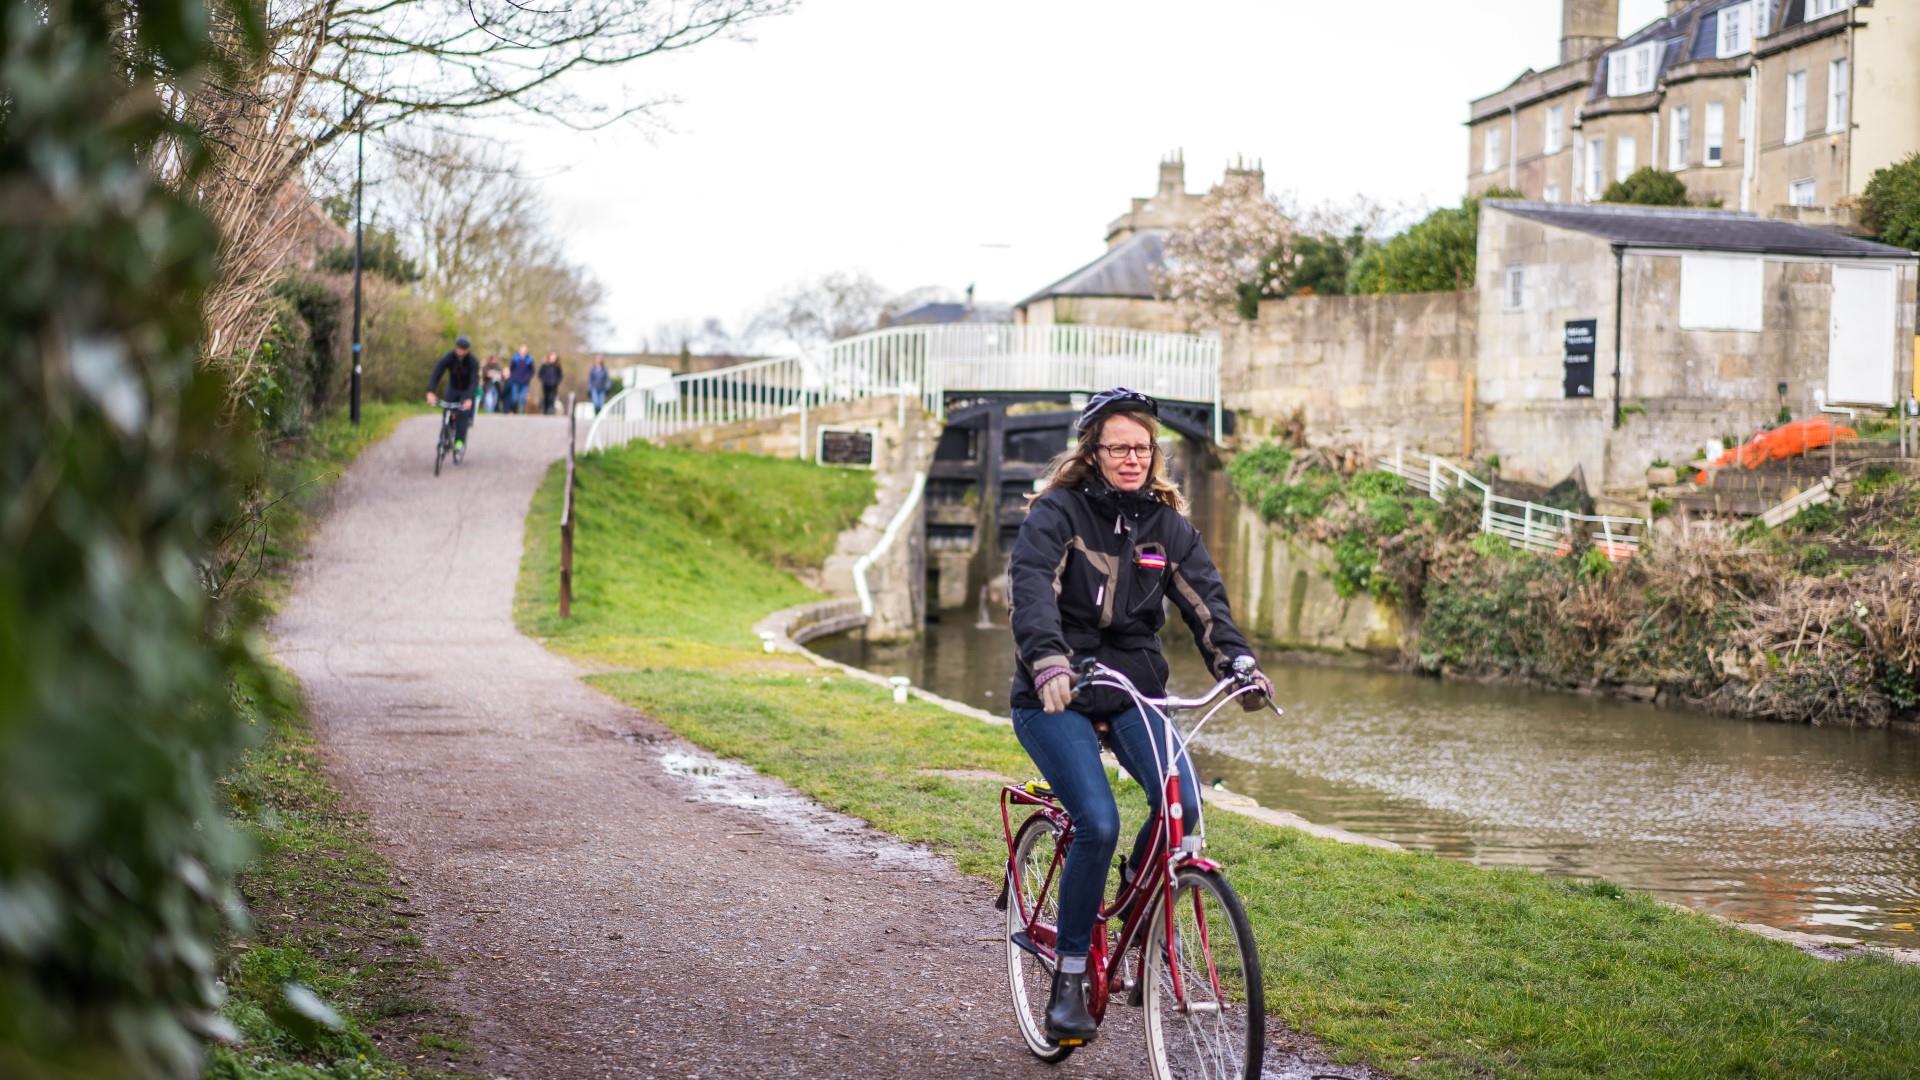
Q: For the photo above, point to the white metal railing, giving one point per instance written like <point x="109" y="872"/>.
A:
<point x="1523" y="524"/>
<point x="923" y="362"/>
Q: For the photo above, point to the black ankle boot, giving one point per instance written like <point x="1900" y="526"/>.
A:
<point x="1067" y="1018"/>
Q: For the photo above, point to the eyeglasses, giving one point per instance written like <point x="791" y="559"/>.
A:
<point x="1116" y="452"/>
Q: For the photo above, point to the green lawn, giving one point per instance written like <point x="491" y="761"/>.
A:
<point x="328" y="911"/>
<point x="1416" y="965"/>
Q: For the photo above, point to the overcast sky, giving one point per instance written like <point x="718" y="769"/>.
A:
<point x="992" y="142"/>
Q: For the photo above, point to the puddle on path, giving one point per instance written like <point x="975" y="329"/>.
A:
<point x="729" y="783"/>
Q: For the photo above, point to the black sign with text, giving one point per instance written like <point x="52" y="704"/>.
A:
<point x="1577" y="379"/>
<point x="840" y="446"/>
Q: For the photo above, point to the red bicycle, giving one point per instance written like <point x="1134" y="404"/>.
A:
<point x="1184" y="950"/>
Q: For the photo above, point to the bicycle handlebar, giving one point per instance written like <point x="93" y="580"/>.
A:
<point x="1091" y="669"/>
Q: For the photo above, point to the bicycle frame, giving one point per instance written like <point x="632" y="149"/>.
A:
<point x="1170" y="853"/>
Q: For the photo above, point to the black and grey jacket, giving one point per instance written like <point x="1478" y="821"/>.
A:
<point x="1090" y="571"/>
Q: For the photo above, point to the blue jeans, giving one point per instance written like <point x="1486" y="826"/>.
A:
<point x="599" y="400"/>
<point x="518" y="401"/>
<point x="1067" y="750"/>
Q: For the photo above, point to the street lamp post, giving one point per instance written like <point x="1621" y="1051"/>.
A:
<point x="359" y="185"/>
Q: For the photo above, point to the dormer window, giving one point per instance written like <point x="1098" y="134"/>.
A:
<point x="1736" y="29"/>
<point x="1820" y="8"/>
<point x="1630" y="70"/>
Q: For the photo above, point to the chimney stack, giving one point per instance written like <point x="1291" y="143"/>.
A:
<point x="1173" y="174"/>
<point x="1586" y="25"/>
<point x="1674" y="6"/>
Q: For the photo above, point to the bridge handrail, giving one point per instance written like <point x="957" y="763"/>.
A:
<point x="924" y="362"/>
<point x="1529" y="525"/>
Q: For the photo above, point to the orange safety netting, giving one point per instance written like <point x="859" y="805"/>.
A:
<point x="1785" y="441"/>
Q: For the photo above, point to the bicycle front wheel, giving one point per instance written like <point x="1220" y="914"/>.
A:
<point x="440" y="451"/>
<point x="1206" y="1014"/>
<point x="1033" y="904"/>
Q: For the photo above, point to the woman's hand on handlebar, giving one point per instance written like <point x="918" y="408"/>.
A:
<point x="1247" y="671"/>
<point x="1055" y="687"/>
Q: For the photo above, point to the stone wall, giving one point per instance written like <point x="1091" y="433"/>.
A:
<point x="1290" y="599"/>
<point x="1375" y="371"/>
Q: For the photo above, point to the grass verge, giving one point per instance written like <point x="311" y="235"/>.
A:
<point x="328" y="911"/>
<point x="1415" y="965"/>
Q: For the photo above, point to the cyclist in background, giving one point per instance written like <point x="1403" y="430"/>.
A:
<point x="463" y="380"/>
<point x="1104" y="545"/>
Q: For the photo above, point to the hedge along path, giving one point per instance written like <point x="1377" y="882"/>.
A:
<point x="1413" y="964"/>
<point x="600" y="915"/>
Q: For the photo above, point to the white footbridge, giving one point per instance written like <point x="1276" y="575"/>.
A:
<point x="923" y="367"/>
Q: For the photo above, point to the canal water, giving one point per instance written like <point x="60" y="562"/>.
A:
<point x="1803" y="828"/>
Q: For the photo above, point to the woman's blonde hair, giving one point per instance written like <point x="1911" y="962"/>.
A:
<point x="1074" y="464"/>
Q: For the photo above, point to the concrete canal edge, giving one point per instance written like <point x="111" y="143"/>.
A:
<point x="789" y="630"/>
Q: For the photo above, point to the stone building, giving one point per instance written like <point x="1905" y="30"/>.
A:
<point x="1120" y="287"/>
<point x="1610" y="336"/>
<point x="1780" y="106"/>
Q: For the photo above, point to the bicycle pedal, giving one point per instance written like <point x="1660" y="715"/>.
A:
<point x="1070" y="1042"/>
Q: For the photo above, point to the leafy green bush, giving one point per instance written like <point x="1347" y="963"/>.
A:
<point x="1890" y="205"/>
<point x="116" y="706"/>
<point x="1436" y="255"/>
<point x="1648" y="186"/>
<point x="1822" y="517"/>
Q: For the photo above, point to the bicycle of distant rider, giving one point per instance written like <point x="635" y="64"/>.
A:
<point x="449" y="410"/>
<point x="1183" y="951"/>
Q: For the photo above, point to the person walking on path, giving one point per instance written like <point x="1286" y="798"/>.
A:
<point x="490" y="378"/>
<point x="1104" y="545"/>
<point x="462" y="373"/>
<point x="599" y="379"/>
<point x="519" y="378"/>
<point x="550" y="376"/>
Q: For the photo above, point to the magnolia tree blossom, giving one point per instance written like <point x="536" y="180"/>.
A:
<point x="1233" y="253"/>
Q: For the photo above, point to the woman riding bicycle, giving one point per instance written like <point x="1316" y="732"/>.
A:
<point x="1105" y="544"/>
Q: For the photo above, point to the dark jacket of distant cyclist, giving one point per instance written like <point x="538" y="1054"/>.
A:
<point x="1111" y="559"/>
<point x="462" y="375"/>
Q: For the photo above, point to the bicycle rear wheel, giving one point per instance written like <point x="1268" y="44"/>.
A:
<point x="1033" y="887"/>
<point x="1216" y="1026"/>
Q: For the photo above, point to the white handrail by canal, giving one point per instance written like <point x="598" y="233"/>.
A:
<point x="1528" y="525"/>
<point x="924" y="363"/>
<point x="900" y="519"/>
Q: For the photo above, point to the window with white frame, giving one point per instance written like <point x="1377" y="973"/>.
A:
<point x="1596" y="167"/>
<point x="1837" y="96"/>
<point x="1552" y="193"/>
<point x="1515" y="294"/>
<point x="1796" y="106"/>
<point x="1821" y="8"/>
<point x="1736" y="29"/>
<point x="1721" y="292"/>
<point x="1625" y="157"/>
<point x="1679" y="135"/>
<point x="1490" y="150"/>
<point x="1762" y="18"/>
<point x="1800" y="192"/>
<point x="1630" y="70"/>
<point x="1556" y="130"/>
<point x="1715" y="146"/>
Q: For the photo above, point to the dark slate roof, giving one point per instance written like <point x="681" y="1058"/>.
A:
<point x="1126" y="270"/>
<point x="1704" y="230"/>
<point x="940" y="312"/>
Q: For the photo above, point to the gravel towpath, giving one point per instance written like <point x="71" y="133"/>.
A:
<point x="609" y="900"/>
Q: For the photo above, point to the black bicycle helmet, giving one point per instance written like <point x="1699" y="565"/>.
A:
<point x="1117" y="400"/>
